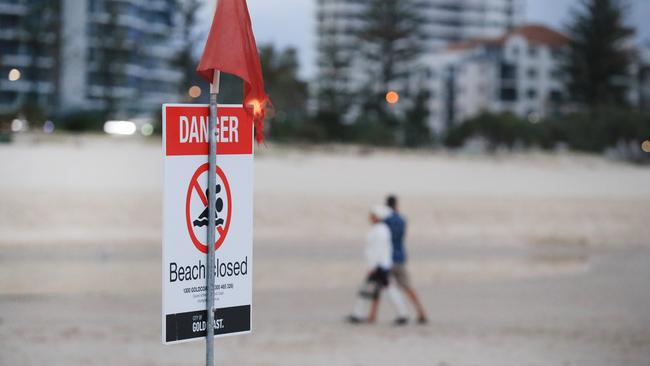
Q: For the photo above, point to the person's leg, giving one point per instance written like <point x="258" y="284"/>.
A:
<point x="362" y="306"/>
<point x="361" y="309"/>
<point x="374" y="307"/>
<point x="379" y="280"/>
<point x="403" y="281"/>
<point x="422" y="317"/>
<point x="398" y="302"/>
<point x="367" y="304"/>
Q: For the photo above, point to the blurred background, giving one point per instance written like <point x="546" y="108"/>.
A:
<point x="515" y="132"/>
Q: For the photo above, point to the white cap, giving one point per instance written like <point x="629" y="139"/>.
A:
<point x="380" y="211"/>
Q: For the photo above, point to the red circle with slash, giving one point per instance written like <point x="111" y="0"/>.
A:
<point x="195" y="187"/>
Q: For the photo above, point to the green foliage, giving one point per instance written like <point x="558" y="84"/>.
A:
<point x="5" y="127"/>
<point x="311" y="132"/>
<point x="598" y="63"/>
<point x="288" y="92"/>
<point x="603" y="127"/>
<point x="415" y="127"/>
<point x="156" y="117"/>
<point x="80" y="121"/>
<point x="505" y="129"/>
<point x="286" y="130"/>
<point x="332" y="93"/>
<point x="592" y="131"/>
<point x="331" y="124"/>
<point x="231" y="89"/>
<point x="370" y="132"/>
<point x="289" y="95"/>
<point x="33" y="112"/>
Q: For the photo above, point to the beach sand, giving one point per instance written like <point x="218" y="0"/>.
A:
<point x="520" y="259"/>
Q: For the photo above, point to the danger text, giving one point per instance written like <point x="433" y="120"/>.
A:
<point x="194" y="129"/>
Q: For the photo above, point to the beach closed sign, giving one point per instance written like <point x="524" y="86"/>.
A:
<point x="185" y="222"/>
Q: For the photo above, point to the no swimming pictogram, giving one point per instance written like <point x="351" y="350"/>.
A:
<point x="196" y="208"/>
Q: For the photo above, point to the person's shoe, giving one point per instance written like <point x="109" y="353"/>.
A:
<point x="401" y="321"/>
<point x="352" y="319"/>
<point x="422" y="320"/>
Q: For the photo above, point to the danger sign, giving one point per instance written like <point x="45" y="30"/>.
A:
<point x="185" y="222"/>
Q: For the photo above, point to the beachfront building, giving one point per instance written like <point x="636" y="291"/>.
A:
<point x="519" y="72"/>
<point x="114" y="55"/>
<point x="445" y="21"/>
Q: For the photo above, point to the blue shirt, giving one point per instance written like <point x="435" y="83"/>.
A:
<point x="397" y="226"/>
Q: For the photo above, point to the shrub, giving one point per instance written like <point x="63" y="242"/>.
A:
<point x="603" y="128"/>
<point x="503" y="129"/>
<point x="80" y="121"/>
<point x="592" y="131"/>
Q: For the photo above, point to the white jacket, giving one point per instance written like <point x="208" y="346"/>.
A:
<point x="378" y="247"/>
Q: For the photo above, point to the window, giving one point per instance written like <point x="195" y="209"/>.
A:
<point x="532" y="93"/>
<point x="508" y="71"/>
<point x="9" y="48"/>
<point x="557" y="74"/>
<point x="7" y="97"/>
<point x="515" y="50"/>
<point x="532" y="51"/>
<point x="509" y="94"/>
<point x="532" y="73"/>
<point x="556" y="96"/>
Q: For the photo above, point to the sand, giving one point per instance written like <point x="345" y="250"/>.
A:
<point x="524" y="259"/>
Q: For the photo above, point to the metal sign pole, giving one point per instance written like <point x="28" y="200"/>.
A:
<point x="212" y="183"/>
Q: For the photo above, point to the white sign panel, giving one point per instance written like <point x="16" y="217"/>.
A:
<point x="185" y="222"/>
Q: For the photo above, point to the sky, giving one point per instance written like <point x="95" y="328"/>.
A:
<point x="291" y="23"/>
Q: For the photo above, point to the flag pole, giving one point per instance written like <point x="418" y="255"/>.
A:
<point x="212" y="183"/>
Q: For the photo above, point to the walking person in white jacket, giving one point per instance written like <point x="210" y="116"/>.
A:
<point x="378" y="255"/>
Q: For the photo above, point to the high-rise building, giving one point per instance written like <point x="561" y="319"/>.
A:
<point x="115" y="55"/>
<point x="444" y="22"/>
<point x="27" y="60"/>
<point x="457" y="20"/>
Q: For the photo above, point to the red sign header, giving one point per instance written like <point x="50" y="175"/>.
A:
<point x="186" y="130"/>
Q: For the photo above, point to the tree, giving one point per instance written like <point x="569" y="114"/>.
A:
<point x="416" y="129"/>
<point x="332" y="94"/>
<point x="283" y="84"/>
<point x="390" y="44"/>
<point x="280" y="70"/>
<point x="334" y="59"/>
<point x="598" y="62"/>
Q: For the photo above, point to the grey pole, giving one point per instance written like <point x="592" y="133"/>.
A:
<point x="212" y="183"/>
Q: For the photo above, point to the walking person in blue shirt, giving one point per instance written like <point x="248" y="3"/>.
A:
<point x="397" y="226"/>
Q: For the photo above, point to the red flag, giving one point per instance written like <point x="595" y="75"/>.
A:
<point x="231" y="48"/>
